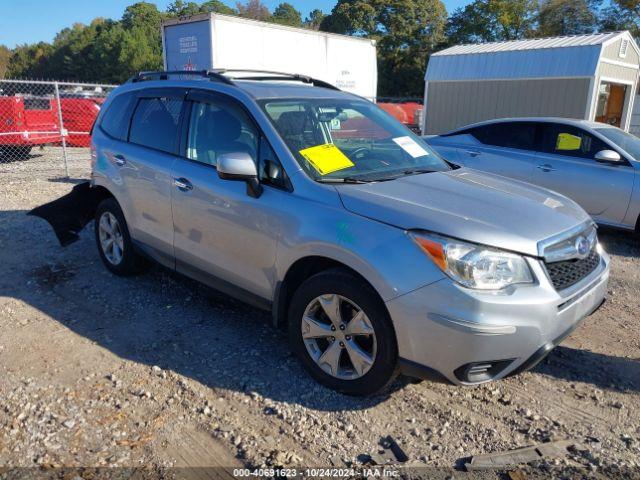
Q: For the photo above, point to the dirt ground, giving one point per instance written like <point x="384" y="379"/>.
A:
<point x="157" y="372"/>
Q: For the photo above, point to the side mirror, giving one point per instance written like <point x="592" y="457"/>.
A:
<point x="240" y="166"/>
<point x="608" y="156"/>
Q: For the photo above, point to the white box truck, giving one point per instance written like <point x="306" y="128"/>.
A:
<point x="208" y="41"/>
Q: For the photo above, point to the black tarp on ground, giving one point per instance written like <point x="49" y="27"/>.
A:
<point x="68" y="215"/>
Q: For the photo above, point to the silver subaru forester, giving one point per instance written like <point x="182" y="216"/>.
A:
<point x="377" y="255"/>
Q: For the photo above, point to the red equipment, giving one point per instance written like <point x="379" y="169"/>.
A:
<point x="26" y="121"/>
<point x="78" y="116"/>
<point x="407" y="112"/>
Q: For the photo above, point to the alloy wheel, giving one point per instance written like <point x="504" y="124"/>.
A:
<point x="339" y="336"/>
<point x="111" y="239"/>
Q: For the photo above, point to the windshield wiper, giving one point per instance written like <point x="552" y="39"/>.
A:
<point x="342" y="180"/>
<point x="418" y="171"/>
<point x="415" y="171"/>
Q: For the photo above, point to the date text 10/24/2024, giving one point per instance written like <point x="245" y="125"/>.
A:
<point x="369" y="472"/>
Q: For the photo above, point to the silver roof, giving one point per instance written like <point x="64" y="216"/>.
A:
<point x="259" y="90"/>
<point x="554" y="57"/>
<point x="275" y="89"/>
<point x="531" y="44"/>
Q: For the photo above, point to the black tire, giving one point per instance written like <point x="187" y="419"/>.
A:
<point x="130" y="263"/>
<point x="340" y="282"/>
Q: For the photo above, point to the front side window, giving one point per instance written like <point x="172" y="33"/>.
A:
<point x="219" y="127"/>
<point x="521" y="135"/>
<point x="571" y="141"/>
<point x="155" y="123"/>
<point x="343" y="139"/>
<point x="627" y="142"/>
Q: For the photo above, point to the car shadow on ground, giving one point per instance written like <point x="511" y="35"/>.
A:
<point x="603" y="371"/>
<point x="159" y="318"/>
<point x="620" y="242"/>
<point x="164" y="319"/>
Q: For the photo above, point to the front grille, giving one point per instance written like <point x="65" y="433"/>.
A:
<point x="569" y="272"/>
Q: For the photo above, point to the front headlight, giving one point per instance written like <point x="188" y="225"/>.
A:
<point x="474" y="266"/>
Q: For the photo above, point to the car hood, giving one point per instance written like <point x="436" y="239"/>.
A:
<point x="469" y="205"/>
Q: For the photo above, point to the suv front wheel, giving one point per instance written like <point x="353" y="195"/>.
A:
<point x="341" y="332"/>
<point x="113" y="240"/>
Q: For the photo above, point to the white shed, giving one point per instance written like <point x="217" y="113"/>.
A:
<point x="593" y="77"/>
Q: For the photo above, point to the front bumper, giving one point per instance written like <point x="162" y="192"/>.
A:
<point x="446" y="330"/>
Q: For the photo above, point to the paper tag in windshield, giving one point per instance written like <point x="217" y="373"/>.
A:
<point x="410" y="146"/>
<point x="326" y="158"/>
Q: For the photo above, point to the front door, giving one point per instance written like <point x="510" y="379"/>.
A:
<point x="611" y="103"/>
<point x="222" y="236"/>
<point x="568" y="167"/>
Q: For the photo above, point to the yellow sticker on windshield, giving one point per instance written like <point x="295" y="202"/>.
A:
<point x="326" y="158"/>
<point x="566" y="141"/>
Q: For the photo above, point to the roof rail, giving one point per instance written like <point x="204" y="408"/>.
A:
<point x="266" y="75"/>
<point x="164" y="75"/>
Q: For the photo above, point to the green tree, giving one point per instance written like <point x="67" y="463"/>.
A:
<point x="141" y="14"/>
<point x="314" y="20"/>
<point x="492" y="20"/>
<point x="254" y="9"/>
<point x="621" y="15"/>
<point x="567" y="17"/>
<point x="406" y="31"/>
<point x="30" y="61"/>
<point x="5" y="55"/>
<point x="183" y="9"/>
<point x="286" y="14"/>
<point x="217" y="6"/>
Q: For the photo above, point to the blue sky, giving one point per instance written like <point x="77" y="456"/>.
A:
<point x="29" y="21"/>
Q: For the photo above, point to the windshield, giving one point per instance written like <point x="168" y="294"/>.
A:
<point x="629" y="143"/>
<point x="349" y="140"/>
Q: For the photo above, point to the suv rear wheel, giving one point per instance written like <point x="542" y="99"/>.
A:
<point x="113" y="240"/>
<point x="342" y="334"/>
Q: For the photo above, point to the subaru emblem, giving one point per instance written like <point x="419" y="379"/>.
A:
<point x="582" y="247"/>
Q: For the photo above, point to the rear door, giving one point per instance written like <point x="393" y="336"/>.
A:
<point x="143" y="169"/>
<point x="507" y="149"/>
<point x="568" y="166"/>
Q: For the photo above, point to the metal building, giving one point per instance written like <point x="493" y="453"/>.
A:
<point x="593" y="77"/>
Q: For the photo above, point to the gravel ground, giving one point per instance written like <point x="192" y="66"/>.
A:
<point x="159" y="371"/>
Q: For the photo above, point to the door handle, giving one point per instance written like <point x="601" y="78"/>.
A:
<point x="473" y="153"/>
<point x="546" y="168"/>
<point x="182" y="184"/>
<point x="120" y="160"/>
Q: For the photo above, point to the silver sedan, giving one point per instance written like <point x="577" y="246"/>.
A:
<point x="595" y="164"/>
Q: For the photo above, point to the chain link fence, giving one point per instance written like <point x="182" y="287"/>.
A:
<point x="45" y="127"/>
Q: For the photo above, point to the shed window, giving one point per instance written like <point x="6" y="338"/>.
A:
<point x="624" y="45"/>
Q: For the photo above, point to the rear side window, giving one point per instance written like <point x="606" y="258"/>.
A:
<point x="115" y="121"/>
<point x="155" y="123"/>
<point x="520" y="135"/>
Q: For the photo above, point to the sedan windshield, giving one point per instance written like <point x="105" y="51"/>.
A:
<point x="338" y="140"/>
<point x="627" y="142"/>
